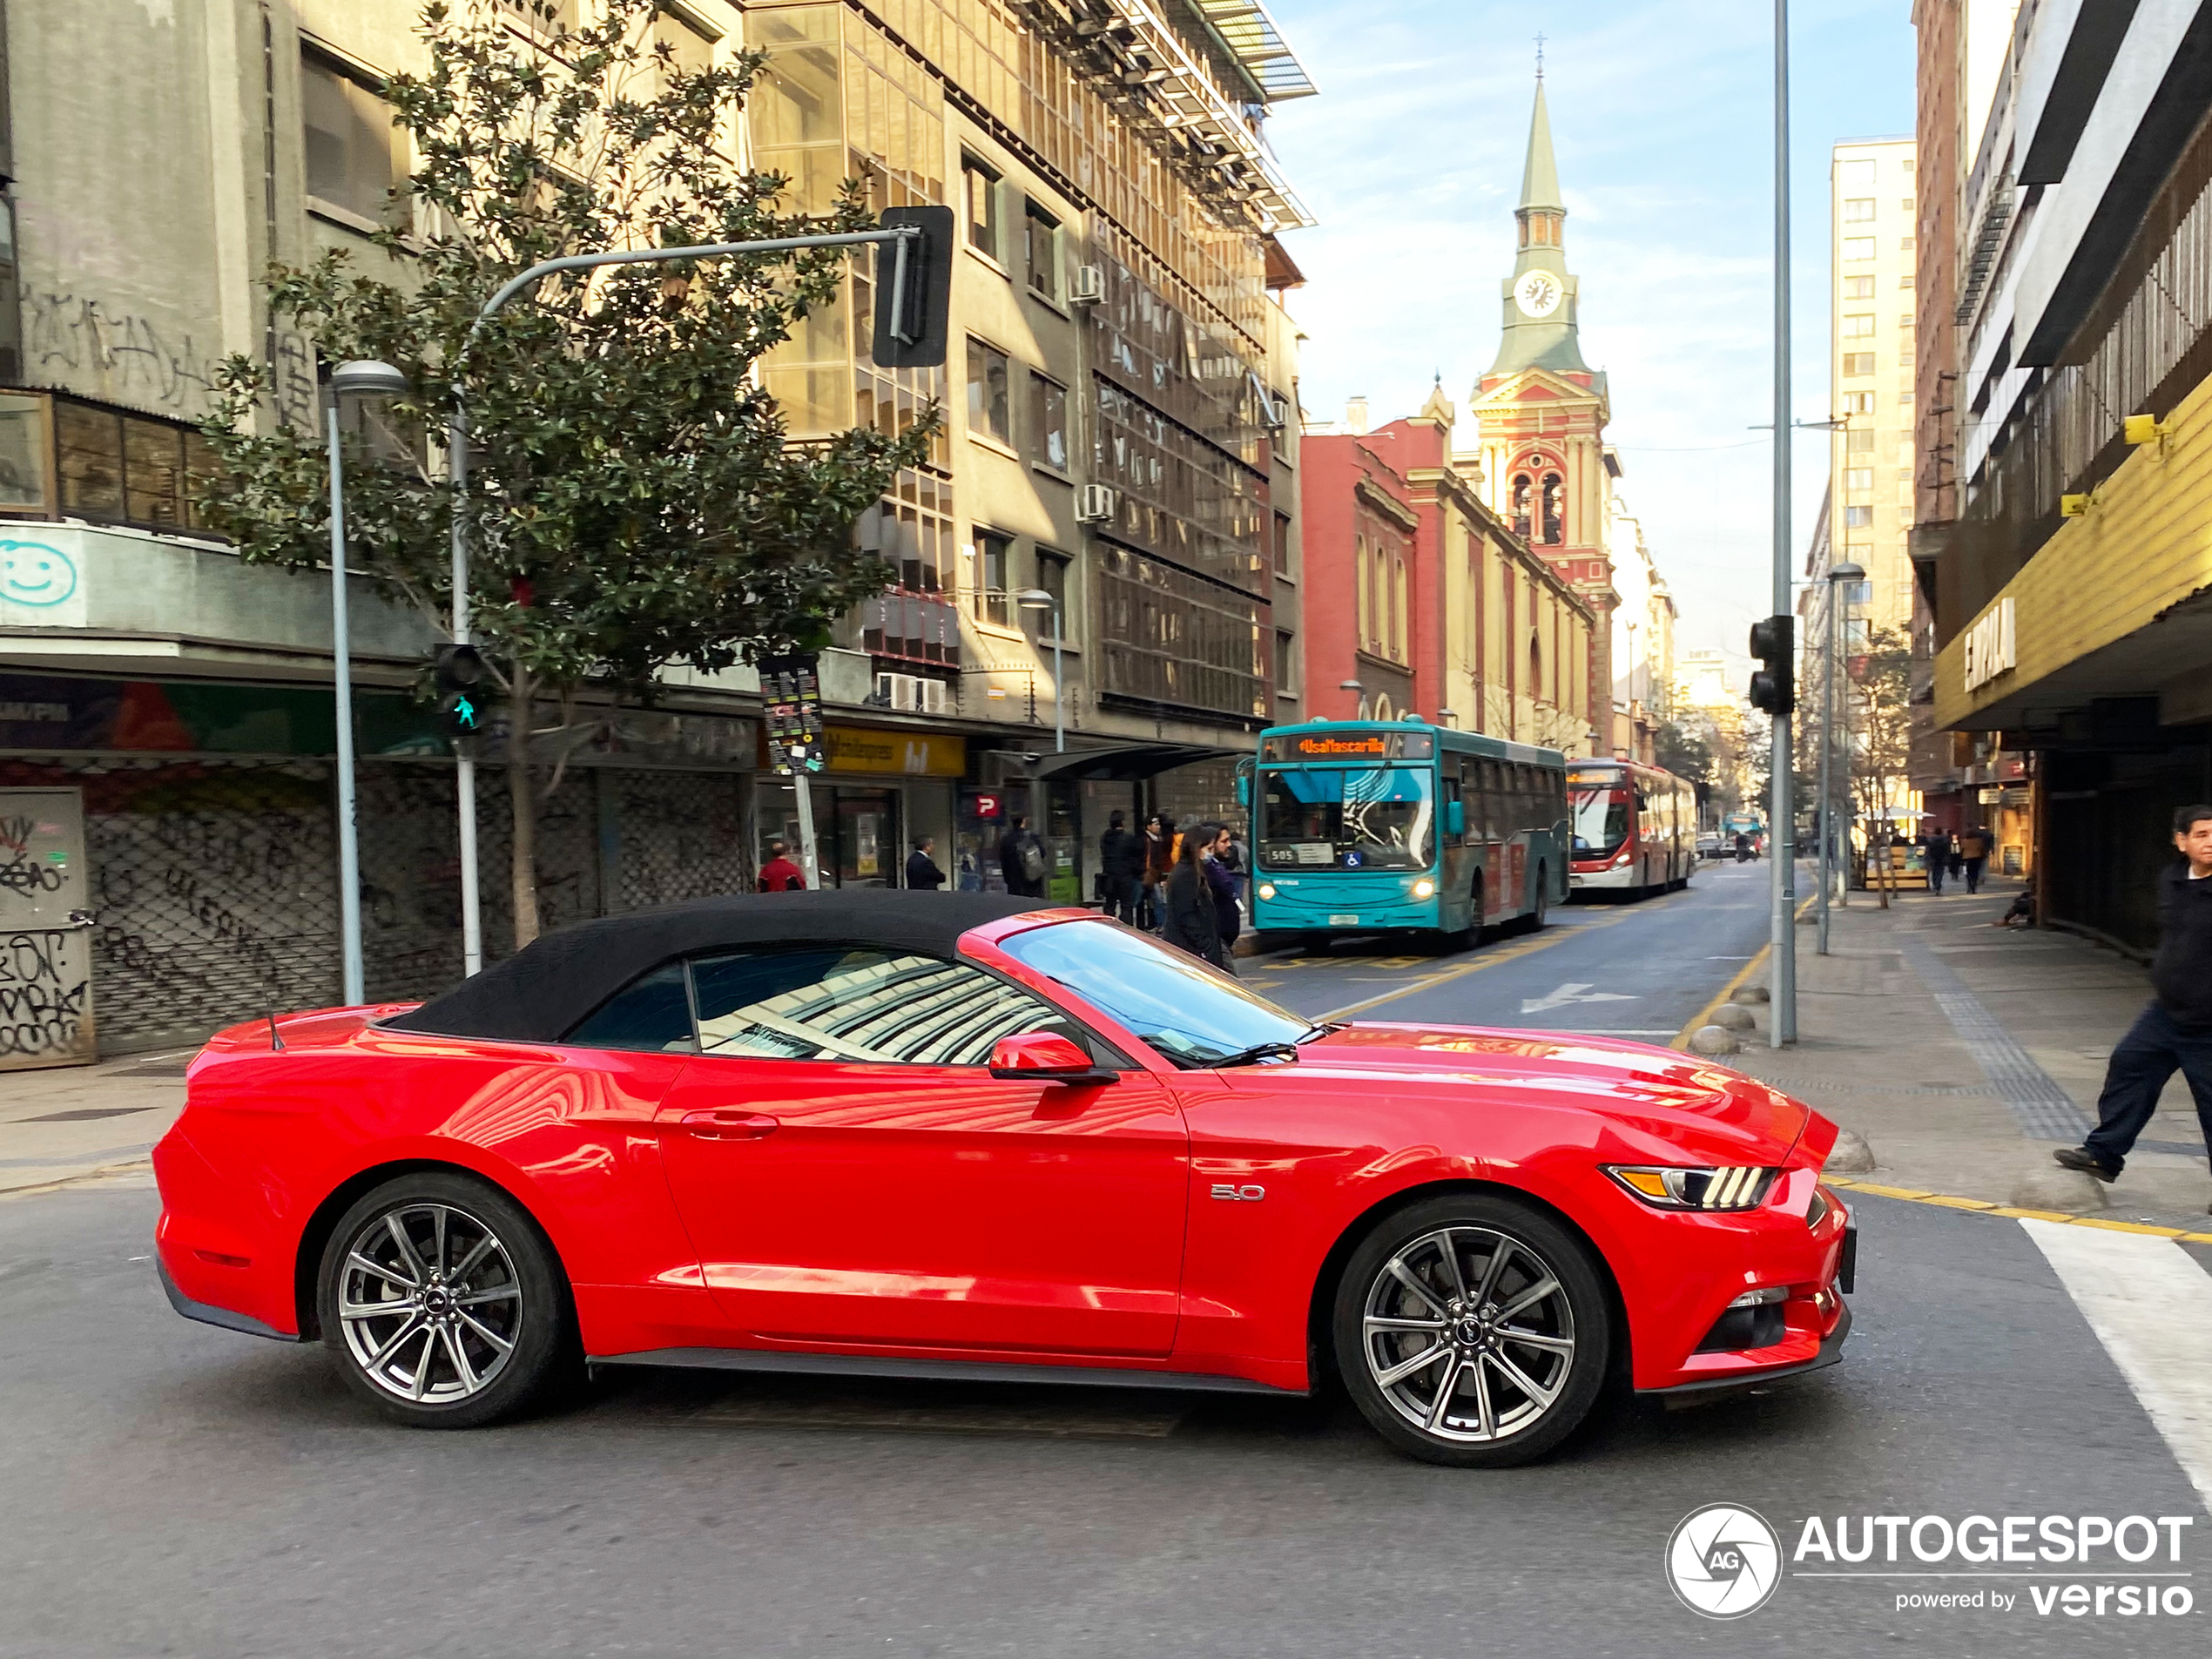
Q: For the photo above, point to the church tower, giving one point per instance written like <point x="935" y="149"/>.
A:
<point x="1542" y="411"/>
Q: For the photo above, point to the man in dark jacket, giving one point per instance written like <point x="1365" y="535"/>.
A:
<point x="1229" y="919"/>
<point x="1936" y="846"/>
<point x="1021" y="859"/>
<point x="922" y="873"/>
<point x="1121" y="860"/>
<point x="2175" y="1033"/>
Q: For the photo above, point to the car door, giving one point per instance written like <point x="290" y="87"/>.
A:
<point x="850" y="1172"/>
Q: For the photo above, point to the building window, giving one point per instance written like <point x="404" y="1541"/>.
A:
<point x="1858" y="211"/>
<point x="994" y="560"/>
<point x="1052" y="576"/>
<point x="1905" y="245"/>
<point x="690" y="50"/>
<point x="1048" y="421"/>
<point x="1858" y="247"/>
<point x="1859" y="172"/>
<point x="355" y="154"/>
<point x="109" y="466"/>
<point x="1858" y="287"/>
<point x="1521" y="489"/>
<point x="1860" y="326"/>
<point x="1858" y="362"/>
<point x="1859" y="478"/>
<point x="1285" y="662"/>
<point x="1859" y="403"/>
<point x="547" y="17"/>
<point x="1904" y="281"/>
<point x="1282" y="544"/>
<point x="1040" y="250"/>
<point x="1857" y="517"/>
<point x="988" y="411"/>
<point x="1862" y="441"/>
<point x="1905" y="357"/>
<point x="1555" y="506"/>
<point x="1906" y="396"/>
<point x="1398" y="595"/>
<point x="980" y="185"/>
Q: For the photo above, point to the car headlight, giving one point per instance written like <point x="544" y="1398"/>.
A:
<point x="1423" y="889"/>
<point x="1734" y="1187"/>
<point x="1266" y="889"/>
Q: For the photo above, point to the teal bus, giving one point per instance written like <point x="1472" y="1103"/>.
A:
<point x="1365" y="826"/>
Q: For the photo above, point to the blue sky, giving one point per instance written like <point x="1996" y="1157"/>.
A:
<point x="1662" y="116"/>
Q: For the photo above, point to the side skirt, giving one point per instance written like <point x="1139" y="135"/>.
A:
<point x="208" y="1314"/>
<point x="838" y="1364"/>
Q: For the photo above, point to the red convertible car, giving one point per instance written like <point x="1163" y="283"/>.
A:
<point x="958" y="1136"/>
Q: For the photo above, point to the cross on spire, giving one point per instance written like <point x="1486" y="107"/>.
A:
<point x="1540" y="54"/>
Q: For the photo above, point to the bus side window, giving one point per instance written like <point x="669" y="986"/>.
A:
<point x="1452" y="799"/>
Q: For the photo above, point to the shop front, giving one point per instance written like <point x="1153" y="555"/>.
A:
<point x="879" y="792"/>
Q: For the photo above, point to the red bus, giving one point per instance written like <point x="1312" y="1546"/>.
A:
<point x="1635" y="827"/>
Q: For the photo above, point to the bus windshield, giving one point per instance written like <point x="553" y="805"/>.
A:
<point x="1601" y="817"/>
<point x="1344" y="818"/>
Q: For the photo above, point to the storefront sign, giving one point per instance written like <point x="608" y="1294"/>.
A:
<point x="915" y="754"/>
<point x="985" y="805"/>
<point x="1990" y="649"/>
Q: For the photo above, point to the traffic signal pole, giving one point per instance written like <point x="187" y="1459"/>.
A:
<point x="1782" y="1019"/>
<point x="910" y="317"/>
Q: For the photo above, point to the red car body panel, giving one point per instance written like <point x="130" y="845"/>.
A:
<point x="1173" y="1221"/>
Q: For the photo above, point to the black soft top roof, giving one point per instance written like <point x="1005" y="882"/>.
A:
<point x="539" y="993"/>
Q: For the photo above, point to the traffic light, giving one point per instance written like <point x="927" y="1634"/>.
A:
<point x="461" y="677"/>
<point x="914" y="289"/>
<point x="1774" y="687"/>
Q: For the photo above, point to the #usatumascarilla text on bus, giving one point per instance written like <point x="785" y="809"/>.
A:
<point x="1374" y="826"/>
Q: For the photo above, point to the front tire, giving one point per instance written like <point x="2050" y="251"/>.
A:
<point x="1471" y="1331"/>
<point x="442" y="1303"/>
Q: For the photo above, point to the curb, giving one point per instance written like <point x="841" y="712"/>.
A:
<point x="1703" y="1016"/>
<point x="1983" y="1207"/>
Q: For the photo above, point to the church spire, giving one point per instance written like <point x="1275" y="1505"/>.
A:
<point x="1540" y="296"/>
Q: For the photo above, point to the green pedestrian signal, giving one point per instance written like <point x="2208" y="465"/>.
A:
<point x="464" y="714"/>
<point x="460" y="672"/>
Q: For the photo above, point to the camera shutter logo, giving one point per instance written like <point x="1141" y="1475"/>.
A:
<point x="1723" y="1561"/>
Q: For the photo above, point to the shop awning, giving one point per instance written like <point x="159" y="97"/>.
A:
<point x="1126" y="762"/>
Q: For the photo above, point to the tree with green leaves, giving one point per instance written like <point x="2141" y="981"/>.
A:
<point x="634" y="499"/>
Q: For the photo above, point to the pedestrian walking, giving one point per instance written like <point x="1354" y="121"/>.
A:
<point x="1121" y="860"/>
<point x="1229" y="917"/>
<point x="922" y="873"/>
<point x="1159" y="863"/>
<point x="1021" y="859"/>
<point x="1191" y="921"/>
<point x="1935" y="848"/>
<point x="1974" y="850"/>
<point x="779" y="874"/>
<point x="2175" y="1033"/>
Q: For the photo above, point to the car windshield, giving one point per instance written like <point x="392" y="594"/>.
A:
<point x="1345" y="819"/>
<point x="1183" y="1008"/>
<point x="1601" y="817"/>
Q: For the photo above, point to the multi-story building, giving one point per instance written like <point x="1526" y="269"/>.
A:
<point x="1643" y="640"/>
<point x="1116" y="477"/>
<point x="1453" y="617"/>
<point x="2062" y="545"/>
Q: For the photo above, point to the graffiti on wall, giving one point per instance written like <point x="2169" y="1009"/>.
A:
<point x="133" y="355"/>
<point x="43" y="996"/>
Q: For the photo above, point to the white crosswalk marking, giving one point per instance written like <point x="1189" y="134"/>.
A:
<point x="2151" y="1306"/>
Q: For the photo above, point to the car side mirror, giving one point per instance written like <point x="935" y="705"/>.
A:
<point x="1045" y="1057"/>
<point x="1455" y="818"/>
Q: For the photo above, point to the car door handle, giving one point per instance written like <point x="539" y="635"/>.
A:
<point x="724" y="1125"/>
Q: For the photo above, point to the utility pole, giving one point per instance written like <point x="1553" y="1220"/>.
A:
<point x="1782" y="1023"/>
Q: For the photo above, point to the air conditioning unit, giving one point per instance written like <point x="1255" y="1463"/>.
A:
<point x="901" y="691"/>
<point x="1090" y="287"/>
<point x="1095" y="505"/>
<point x="936" y="696"/>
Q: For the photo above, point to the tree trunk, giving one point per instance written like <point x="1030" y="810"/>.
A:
<point x="522" y="794"/>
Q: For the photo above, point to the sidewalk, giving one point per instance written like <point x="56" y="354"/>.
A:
<point x="1964" y="1052"/>
<point x="72" y="1121"/>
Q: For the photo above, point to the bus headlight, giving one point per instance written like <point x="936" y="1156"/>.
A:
<point x="1266" y="889"/>
<point x="1423" y="889"/>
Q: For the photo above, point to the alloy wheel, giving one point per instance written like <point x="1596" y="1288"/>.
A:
<point x="1468" y="1334"/>
<point x="430" y="1302"/>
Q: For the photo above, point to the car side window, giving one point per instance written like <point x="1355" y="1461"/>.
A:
<point x="834" y="1002"/>
<point x="652" y="1013"/>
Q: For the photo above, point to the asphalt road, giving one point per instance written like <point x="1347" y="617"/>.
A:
<point x="170" y="1489"/>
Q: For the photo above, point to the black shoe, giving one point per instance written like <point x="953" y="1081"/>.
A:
<point x="2081" y="1158"/>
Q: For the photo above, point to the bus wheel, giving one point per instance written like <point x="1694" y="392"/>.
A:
<point x="1543" y="901"/>
<point x="1471" y="936"/>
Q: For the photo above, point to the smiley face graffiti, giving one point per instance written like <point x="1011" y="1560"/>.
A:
<point x="33" y="574"/>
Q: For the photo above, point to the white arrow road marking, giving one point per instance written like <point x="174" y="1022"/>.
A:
<point x="2151" y="1306"/>
<point x="1572" y="992"/>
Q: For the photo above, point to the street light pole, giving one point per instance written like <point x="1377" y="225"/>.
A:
<point x="1782" y="835"/>
<point x="1840" y="579"/>
<point x="355" y="377"/>
<point x="472" y="932"/>
<point x="1039" y="599"/>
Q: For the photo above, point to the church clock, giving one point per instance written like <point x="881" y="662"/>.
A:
<point x="1538" y="294"/>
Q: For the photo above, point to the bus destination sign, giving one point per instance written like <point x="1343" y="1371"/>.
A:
<point x="1353" y="746"/>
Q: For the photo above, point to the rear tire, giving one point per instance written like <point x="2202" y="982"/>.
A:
<point x="1506" y="1307"/>
<point x="442" y="1305"/>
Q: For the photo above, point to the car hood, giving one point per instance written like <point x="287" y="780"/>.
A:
<point x="1657" y="1091"/>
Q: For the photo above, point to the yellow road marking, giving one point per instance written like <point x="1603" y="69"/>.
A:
<point x="1703" y="1016"/>
<point x="1979" y="1207"/>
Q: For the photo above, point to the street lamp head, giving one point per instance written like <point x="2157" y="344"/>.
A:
<point x="1350" y="685"/>
<point x="368" y="378"/>
<point x="1033" y="599"/>
<point x="1846" y="572"/>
